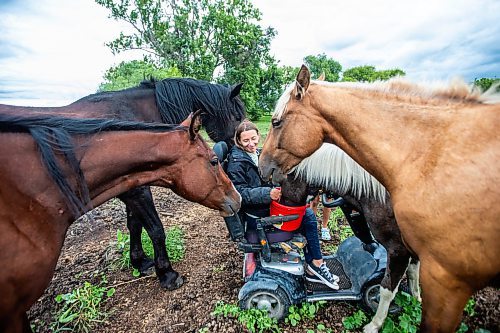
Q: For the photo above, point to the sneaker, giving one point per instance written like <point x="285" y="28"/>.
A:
<point x="325" y="234"/>
<point x="313" y="278"/>
<point x="323" y="273"/>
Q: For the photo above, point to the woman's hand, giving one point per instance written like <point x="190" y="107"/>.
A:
<point x="276" y="193"/>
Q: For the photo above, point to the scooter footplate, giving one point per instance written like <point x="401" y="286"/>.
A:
<point x="335" y="268"/>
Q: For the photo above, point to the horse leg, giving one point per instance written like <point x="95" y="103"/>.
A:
<point x="138" y="258"/>
<point x="15" y="323"/>
<point x="443" y="299"/>
<point x="359" y="226"/>
<point x="413" y="278"/>
<point x="397" y="263"/>
<point x="140" y="203"/>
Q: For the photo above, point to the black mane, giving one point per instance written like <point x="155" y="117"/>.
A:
<point x="176" y="98"/>
<point x="53" y="134"/>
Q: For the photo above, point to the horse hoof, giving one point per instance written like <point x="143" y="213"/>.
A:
<point x="172" y="285"/>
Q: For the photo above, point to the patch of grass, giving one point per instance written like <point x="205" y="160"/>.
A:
<point x="174" y="243"/>
<point x="254" y="320"/>
<point x="82" y="308"/>
<point x="406" y="321"/>
<point x="304" y="311"/>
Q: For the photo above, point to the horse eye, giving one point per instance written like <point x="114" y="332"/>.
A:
<point x="214" y="161"/>
<point x="275" y="122"/>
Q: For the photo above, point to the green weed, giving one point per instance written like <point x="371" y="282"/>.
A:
<point x="82" y="307"/>
<point x="174" y="243"/>
<point x="254" y="320"/>
<point x="304" y="311"/>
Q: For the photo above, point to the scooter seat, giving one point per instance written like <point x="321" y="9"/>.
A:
<point x="272" y="236"/>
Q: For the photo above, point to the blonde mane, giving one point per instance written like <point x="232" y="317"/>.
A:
<point x="457" y="91"/>
<point x="331" y="168"/>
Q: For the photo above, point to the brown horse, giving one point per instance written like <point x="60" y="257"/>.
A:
<point x="53" y="169"/>
<point x="170" y="101"/>
<point x="331" y="169"/>
<point x="437" y="154"/>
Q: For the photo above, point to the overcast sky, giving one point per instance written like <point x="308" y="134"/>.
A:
<point x="52" y="52"/>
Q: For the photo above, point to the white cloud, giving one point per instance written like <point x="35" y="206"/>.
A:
<point x="52" y="52"/>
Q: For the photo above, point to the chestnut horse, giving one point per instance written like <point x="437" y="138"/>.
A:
<point x="52" y="170"/>
<point x="333" y="170"/>
<point x="169" y="101"/>
<point x="435" y="151"/>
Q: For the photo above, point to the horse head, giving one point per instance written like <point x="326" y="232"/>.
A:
<point x="297" y="128"/>
<point x="216" y="191"/>
<point x="221" y="123"/>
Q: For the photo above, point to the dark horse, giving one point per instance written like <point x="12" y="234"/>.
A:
<point x="332" y="169"/>
<point x="169" y="101"/>
<point x="52" y="170"/>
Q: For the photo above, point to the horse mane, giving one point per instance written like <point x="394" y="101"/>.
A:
<point x="331" y="168"/>
<point x="457" y="90"/>
<point x="53" y="135"/>
<point x="176" y="98"/>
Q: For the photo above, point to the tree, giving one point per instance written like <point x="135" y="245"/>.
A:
<point x="206" y="39"/>
<point x="485" y="83"/>
<point x="369" y="74"/>
<point x="322" y="64"/>
<point x="129" y="74"/>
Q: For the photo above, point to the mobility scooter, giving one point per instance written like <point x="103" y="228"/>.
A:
<point x="274" y="269"/>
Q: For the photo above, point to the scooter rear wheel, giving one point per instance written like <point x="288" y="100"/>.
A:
<point x="276" y="302"/>
<point x="371" y="298"/>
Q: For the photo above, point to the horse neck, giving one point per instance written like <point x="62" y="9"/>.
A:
<point x="110" y="171"/>
<point x="381" y="133"/>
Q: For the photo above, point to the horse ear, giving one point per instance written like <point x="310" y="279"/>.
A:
<point x="302" y="82"/>
<point x="187" y="121"/>
<point x="235" y="91"/>
<point x="195" y="125"/>
<point x="321" y="77"/>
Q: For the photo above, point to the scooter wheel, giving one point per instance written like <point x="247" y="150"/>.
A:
<point x="371" y="298"/>
<point x="276" y="302"/>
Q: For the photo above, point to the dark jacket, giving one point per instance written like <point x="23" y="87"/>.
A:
<point x="255" y="193"/>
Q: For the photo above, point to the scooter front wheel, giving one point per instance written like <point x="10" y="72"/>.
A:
<point x="275" y="302"/>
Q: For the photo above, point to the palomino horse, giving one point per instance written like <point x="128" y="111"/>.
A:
<point x="169" y="101"/>
<point x="437" y="154"/>
<point x="332" y="169"/>
<point x="47" y="181"/>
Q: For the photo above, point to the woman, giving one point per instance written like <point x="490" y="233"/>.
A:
<point x="256" y="198"/>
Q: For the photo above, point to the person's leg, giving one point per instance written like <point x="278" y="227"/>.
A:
<point x="312" y="252"/>
<point x="314" y="205"/>
<point x="325" y="231"/>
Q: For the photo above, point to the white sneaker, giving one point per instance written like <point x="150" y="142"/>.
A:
<point x="325" y="234"/>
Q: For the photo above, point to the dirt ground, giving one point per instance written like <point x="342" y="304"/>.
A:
<point x="211" y="267"/>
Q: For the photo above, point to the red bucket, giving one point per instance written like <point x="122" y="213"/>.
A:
<point x="278" y="209"/>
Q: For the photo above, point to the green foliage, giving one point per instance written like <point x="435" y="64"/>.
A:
<point x="254" y="320"/>
<point x="82" y="308"/>
<point x="485" y="83"/>
<point x="130" y="74"/>
<point x="322" y="64"/>
<point x="370" y="74"/>
<point x="345" y="232"/>
<point x="174" y="243"/>
<point x="304" y="311"/>
<point x="355" y="321"/>
<point x="208" y="39"/>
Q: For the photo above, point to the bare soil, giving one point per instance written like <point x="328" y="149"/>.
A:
<point x="211" y="267"/>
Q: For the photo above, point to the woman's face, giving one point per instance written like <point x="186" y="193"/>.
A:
<point x="249" y="140"/>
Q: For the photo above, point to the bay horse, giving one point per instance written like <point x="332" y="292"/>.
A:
<point x="331" y="169"/>
<point x="435" y="151"/>
<point x="169" y="101"/>
<point x="54" y="169"/>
